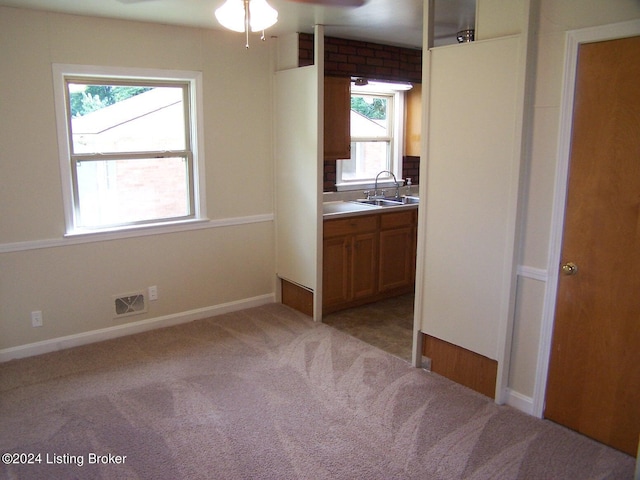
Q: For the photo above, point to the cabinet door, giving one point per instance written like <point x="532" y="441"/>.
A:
<point x="396" y="258"/>
<point x="336" y="270"/>
<point x="337" y="118"/>
<point x="363" y="265"/>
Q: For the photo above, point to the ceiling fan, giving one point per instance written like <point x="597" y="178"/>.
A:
<point x="328" y="3"/>
<point x="258" y="15"/>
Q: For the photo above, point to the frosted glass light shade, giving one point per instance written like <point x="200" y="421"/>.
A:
<point x="261" y="15"/>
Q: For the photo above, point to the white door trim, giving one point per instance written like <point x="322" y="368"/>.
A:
<point x="573" y="41"/>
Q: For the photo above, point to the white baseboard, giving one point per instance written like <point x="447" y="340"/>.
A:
<point x="61" y="343"/>
<point x="519" y="401"/>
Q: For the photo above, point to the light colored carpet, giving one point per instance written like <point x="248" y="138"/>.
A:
<point x="267" y="394"/>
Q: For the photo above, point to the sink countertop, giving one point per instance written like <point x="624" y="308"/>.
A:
<point x="349" y="209"/>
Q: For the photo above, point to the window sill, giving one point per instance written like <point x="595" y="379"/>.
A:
<point x="138" y="230"/>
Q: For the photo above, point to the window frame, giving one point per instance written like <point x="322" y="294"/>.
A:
<point x="396" y="129"/>
<point x="194" y="143"/>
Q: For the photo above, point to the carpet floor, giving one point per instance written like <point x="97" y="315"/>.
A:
<point x="265" y="393"/>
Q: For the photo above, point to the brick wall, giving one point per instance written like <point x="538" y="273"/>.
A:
<point x="348" y="58"/>
<point x="410" y="169"/>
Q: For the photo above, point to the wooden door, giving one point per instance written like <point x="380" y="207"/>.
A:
<point x="593" y="384"/>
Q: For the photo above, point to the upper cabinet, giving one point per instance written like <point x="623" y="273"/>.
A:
<point x="337" y="123"/>
<point x="413" y="122"/>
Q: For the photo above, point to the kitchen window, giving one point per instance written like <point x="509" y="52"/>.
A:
<point x="377" y="125"/>
<point x="129" y="147"/>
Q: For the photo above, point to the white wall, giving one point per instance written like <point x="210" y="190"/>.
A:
<point x="228" y="261"/>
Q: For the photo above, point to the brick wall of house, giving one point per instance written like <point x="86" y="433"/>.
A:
<point x="373" y="61"/>
<point x="411" y="168"/>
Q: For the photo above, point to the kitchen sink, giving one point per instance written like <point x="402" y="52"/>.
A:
<point x="410" y="199"/>
<point x="380" y="202"/>
<point x="389" y="201"/>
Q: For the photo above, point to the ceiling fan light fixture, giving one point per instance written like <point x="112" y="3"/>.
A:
<point x="232" y="15"/>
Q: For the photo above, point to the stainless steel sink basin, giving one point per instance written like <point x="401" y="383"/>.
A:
<point x="380" y="202"/>
<point x="389" y="201"/>
<point x="410" y="199"/>
<point x="331" y="208"/>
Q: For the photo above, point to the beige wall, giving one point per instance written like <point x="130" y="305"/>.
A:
<point x="72" y="283"/>
<point x="556" y="18"/>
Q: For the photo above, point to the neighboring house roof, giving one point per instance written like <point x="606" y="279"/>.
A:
<point x="362" y="126"/>
<point x="151" y="121"/>
<point x="127" y="110"/>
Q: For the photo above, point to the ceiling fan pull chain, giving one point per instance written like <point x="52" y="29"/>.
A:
<point x="246" y="22"/>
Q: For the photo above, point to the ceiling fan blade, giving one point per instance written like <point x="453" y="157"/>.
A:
<point x="334" y="3"/>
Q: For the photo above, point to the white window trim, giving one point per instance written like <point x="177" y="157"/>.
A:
<point x="397" y="142"/>
<point x="60" y="71"/>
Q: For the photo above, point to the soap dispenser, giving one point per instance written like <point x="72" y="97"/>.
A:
<point x="408" y="184"/>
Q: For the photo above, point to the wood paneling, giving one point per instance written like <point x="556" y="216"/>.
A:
<point x="297" y="297"/>
<point x="462" y="366"/>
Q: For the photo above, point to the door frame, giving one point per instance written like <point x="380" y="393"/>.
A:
<point x="574" y="39"/>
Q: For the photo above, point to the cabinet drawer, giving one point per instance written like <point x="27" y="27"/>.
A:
<point x="345" y="226"/>
<point x="397" y="219"/>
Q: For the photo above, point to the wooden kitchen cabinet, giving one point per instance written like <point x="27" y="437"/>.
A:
<point x="337" y="118"/>
<point x="396" y="269"/>
<point x="350" y="259"/>
<point x="367" y="258"/>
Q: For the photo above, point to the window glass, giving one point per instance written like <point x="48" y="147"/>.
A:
<point x="129" y="159"/>
<point x="113" y="192"/>
<point x="370" y="116"/>
<point x="367" y="159"/>
<point x="111" y="118"/>
<point x="373" y="126"/>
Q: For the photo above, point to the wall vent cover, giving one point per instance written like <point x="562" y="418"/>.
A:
<point x="129" y="304"/>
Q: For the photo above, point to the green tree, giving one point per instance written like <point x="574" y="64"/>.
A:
<point x="374" y="108"/>
<point x="95" y="97"/>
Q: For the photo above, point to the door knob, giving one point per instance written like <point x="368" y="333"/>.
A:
<point x="569" y="268"/>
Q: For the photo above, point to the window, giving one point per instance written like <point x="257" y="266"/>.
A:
<point x="377" y="118"/>
<point x="129" y="147"/>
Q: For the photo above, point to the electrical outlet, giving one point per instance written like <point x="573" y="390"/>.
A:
<point x="36" y="318"/>
<point x="153" y="293"/>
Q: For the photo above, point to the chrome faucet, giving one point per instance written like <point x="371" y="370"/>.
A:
<point x="395" y="181"/>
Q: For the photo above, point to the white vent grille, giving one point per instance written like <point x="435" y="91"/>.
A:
<point x="129" y="304"/>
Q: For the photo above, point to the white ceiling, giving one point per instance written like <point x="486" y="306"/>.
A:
<point x="392" y="22"/>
